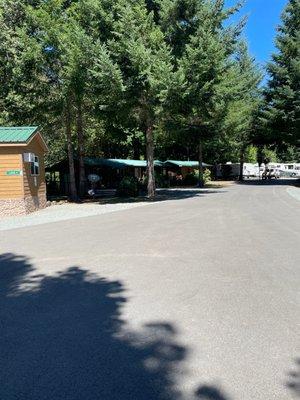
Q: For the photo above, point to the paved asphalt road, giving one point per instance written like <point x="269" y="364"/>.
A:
<point x="192" y="298"/>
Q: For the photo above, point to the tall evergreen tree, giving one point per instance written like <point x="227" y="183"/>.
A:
<point x="145" y="61"/>
<point x="282" y="113"/>
<point x="243" y="107"/>
<point x="62" y="70"/>
<point x="209" y="74"/>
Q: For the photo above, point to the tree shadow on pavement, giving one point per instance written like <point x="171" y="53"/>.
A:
<point x="166" y="194"/>
<point x="181" y="194"/>
<point x="206" y="392"/>
<point x="270" y="182"/>
<point x="294" y="379"/>
<point x="63" y="338"/>
<point x="161" y="195"/>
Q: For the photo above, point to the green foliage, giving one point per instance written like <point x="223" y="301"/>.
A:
<point x="140" y="49"/>
<point x="161" y="181"/>
<point x="250" y="154"/>
<point x="281" y="114"/>
<point x="128" y="187"/>
<point x="216" y="94"/>
<point x="121" y="69"/>
<point x="207" y="175"/>
<point x="288" y="154"/>
<point x="191" y="179"/>
<point x="269" y="155"/>
<point x="239" y="122"/>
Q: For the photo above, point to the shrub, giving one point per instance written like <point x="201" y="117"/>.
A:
<point x="207" y="175"/>
<point x="128" y="187"/>
<point x="191" y="179"/>
<point x="161" y="181"/>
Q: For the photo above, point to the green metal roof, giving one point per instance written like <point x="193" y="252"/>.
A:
<point x="118" y="163"/>
<point x="190" y="164"/>
<point x="16" y="134"/>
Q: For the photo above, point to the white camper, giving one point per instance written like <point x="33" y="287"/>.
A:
<point x="289" y="170"/>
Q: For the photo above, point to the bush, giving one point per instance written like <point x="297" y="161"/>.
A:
<point x="161" y="181"/>
<point x="207" y="175"/>
<point x="191" y="179"/>
<point x="128" y="187"/>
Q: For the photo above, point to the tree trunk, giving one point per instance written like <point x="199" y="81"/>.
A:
<point x="80" y="138"/>
<point x="72" y="183"/>
<point x="200" y="160"/>
<point x="259" y="159"/>
<point x="242" y="160"/>
<point x="150" y="161"/>
<point x="136" y="148"/>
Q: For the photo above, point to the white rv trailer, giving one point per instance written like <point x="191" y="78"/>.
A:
<point x="233" y="170"/>
<point x="291" y="170"/>
<point x="251" y="170"/>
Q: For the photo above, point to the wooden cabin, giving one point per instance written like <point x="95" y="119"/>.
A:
<point x="22" y="170"/>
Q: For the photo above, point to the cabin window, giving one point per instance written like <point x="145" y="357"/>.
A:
<point x="35" y="166"/>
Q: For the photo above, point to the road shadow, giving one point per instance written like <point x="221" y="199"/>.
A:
<point x="207" y="392"/>
<point x="181" y="194"/>
<point x="63" y="338"/>
<point x="270" y="182"/>
<point x="161" y="195"/>
<point x="293" y="382"/>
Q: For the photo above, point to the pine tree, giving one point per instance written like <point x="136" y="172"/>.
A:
<point x="145" y="61"/>
<point x="245" y="102"/>
<point x="209" y="74"/>
<point x="62" y="70"/>
<point x="282" y="113"/>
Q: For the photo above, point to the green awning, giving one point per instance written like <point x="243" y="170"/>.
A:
<point x="189" y="164"/>
<point x="118" y="163"/>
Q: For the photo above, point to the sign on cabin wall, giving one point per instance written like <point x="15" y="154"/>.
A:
<point x="14" y="172"/>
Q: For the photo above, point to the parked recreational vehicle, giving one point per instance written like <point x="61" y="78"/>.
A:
<point x="271" y="170"/>
<point x="290" y="170"/>
<point x="232" y="170"/>
<point x="250" y="170"/>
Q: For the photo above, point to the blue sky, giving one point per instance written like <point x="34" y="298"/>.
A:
<point x="263" y="18"/>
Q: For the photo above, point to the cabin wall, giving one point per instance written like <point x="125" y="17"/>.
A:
<point x="34" y="186"/>
<point x="11" y="185"/>
<point x="21" y="193"/>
